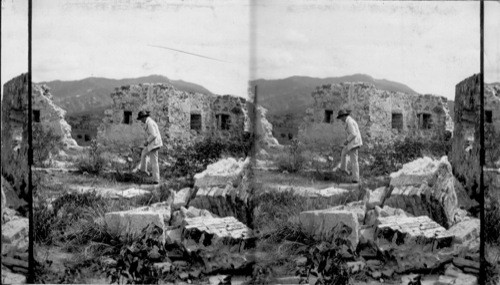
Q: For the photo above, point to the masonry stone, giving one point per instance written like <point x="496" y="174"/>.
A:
<point x="415" y="242"/>
<point x="327" y="224"/>
<point x="425" y="187"/>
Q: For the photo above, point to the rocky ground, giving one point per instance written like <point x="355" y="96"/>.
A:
<point x="15" y="230"/>
<point x="240" y="224"/>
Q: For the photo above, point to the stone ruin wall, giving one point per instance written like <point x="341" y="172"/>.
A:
<point x="373" y="110"/>
<point x="51" y="115"/>
<point x="15" y="134"/>
<point x="465" y="144"/>
<point x="172" y="110"/>
<point x="15" y="130"/>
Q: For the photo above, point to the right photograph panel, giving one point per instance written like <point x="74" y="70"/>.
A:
<point x="492" y="139"/>
<point x="372" y="173"/>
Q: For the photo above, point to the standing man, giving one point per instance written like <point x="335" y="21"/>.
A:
<point x="351" y="145"/>
<point x="151" y="147"/>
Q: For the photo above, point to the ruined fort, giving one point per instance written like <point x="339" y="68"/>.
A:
<point x="465" y="149"/>
<point x="180" y="115"/>
<point x="382" y="116"/>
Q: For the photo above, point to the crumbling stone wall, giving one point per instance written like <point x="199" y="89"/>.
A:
<point x="465" y="144"/>
<point x="382" y="116"/>
<point x="49" y="115"/>
<point x="180" y="115"/>
<point x="15" y="134"/>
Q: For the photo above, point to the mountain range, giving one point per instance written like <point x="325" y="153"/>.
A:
<point x="92" y="95"/>
<point x="279" y="96"/>
<point x="293" y="94"/>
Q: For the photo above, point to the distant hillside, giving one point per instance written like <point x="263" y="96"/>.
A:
<point x="91" y="95"/>
<point x="293" y="94"/>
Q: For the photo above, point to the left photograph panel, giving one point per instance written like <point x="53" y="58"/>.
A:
<point x="15" y="144"/>
<point x="140" y="110"/>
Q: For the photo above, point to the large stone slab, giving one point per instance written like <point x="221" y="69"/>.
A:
<point x="376" y="197"/>
<point x="465" y="231"/>
<point x="222" y="243"/>
<point x="325" y="197"/>
<point x="222" y="172"/>
<point x="226" y="201"/>
<point x="134" y="221"/>
<point x="9" y="277"/>
<point x="326" y="224"/>
<point x="358" y="207"/>
<point x="15" y="230"/>
<point x="414" y="242"/>
<point x="426" y="187"/>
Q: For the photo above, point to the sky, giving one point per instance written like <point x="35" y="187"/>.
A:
<point x="428" y="45"/>
<point x="116" y="40"/>
<point x="14" y="39"/>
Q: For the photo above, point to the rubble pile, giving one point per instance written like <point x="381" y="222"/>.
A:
<point x="413" y="225"/>
<point x="15" y="241"/>
<point x="207" y="221"/>
<point x="224" y="189"/>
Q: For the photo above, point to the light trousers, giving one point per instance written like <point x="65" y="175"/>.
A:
<point x="150" y="157"/>
<point x="350" y="156"/>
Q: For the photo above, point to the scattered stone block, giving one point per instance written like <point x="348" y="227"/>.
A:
<point x="15" y="230"/>
<point x="325" y="198"/>
<point x="132" y="193"/>
<point x="414" y="242"/>
<point x="223" y="172"/>
<point x="226" y="201"/>
<point x="181" y="198"/>
<point x="465" y="230"/>
<point x="465" y="264"/>
<point x="219" y="242"/>
<point x="212" y="231"/>
<point x="134" y="221"/>
<point x="376" y="197"/>
<point x="9" y="277"/>
<point x="425" y="187"/>
<point x="163" y="266"/>
<point x="388" y="211"/>
<point x="358" y="207"/>
<point x="324" y="224"/>
<point x="355" y="266"/>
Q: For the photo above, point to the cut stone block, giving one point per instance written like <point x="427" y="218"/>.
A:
<point x="358" y="207"/>
<point x="12" y="278"/>
<point x="414" y="242"/>
<point x="465" y="230"/>
<point x="182" y="198"/>
<point x="324" y="198"/>
<point x="134" y="221"/>
<point x="425" y="187"/>
<point x="325" y="224"/>
<point x="220" y="242"/>
<point x="212" y="231"/>
<point x="416" y="172"/>
<point x="226" y="201"/>
<point x="223" y="172"/>
<point x="15" y="230"/>
<point x="376" y="197"/>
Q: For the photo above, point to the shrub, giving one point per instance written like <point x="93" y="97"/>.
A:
<point x="294" y="160"/>
<point x="92" y="162"/>
<point x="51" y="221"/>
<point x="388" y="158"/>
<point x="191" y="158"/>
<point x="45" y="143"/>
<point x="492" y="222"/>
